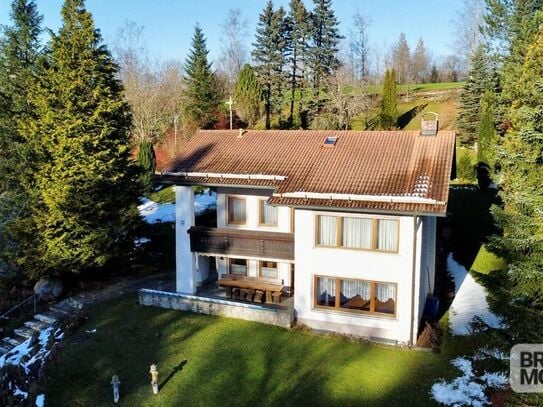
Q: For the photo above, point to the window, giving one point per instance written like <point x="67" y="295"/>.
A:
<point x="237" y="214"/>
<point x="268" y="214"/>
<point x="357" y="233"/>
<point x="354" y="295"/>
<point x="268" y="269"/>
<point x="327" y="231"/>
<point x="238" y="266"/>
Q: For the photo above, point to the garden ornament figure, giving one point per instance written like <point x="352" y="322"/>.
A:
<point x="154" y="378"/>
<point x="115" y="383"/>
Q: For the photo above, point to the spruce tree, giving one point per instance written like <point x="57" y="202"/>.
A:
<point x="297" y="46"/>
<point x="202" y="98"/>
<point x="88" y="184"/>
<point x="486" y="131"/>
<point x="469" y="112"/>
<point x="324" y="44"/>
<point x="522" y="241"/>
<point x="269" y="55"/>
<point x="20" y="51"/>
<point x="248" y="95"/>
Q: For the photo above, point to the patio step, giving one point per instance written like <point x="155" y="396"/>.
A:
<point x="13" y="342"/>
<point x="63" y="309"/>
<point x="24" y="332"/>
<point x="4" y="349"/>
<point x="36" y="325"/>
<point x="48" y="317"/>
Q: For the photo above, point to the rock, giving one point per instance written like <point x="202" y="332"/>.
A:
<point x="48" y="289"/>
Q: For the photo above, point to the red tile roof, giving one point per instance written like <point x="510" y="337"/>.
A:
<point x="398" y="171"/>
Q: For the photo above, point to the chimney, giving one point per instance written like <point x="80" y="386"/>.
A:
<point x="429" y="126"/>
<point x="241" y="131"/>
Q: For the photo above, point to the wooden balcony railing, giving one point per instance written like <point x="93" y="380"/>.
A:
<point x="271" y="245"/>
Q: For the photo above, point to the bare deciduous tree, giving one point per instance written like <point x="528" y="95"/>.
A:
<point x="345" y="99"/>
<point x="359" y="45"/>
<point x="154" y="91"/>
<point x="467" y="30"/>
<point x="401" y="59"/>
<point x="420" y="63"/>
<point x="234" y="53"/>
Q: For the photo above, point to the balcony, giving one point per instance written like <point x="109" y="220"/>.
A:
<point x="236" y="242"/>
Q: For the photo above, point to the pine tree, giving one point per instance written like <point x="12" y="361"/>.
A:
<point x="88" y="184"/>
<point x="20" y="51"/>
<point x="420" y="62"/>
<point x="470" y="98"/>
<point x="486" y="131"/>
<point x="269" y="55"/>
<point x="389" y="110"/>
<point x="324" y="44"/>
<point x="521" y="155"/>
<point x="298" y="32"/>
<point x="434" y="74"/>
<point x="202" y="98"/>
<point x="147" y="162"/>
<point x="248" y="95"/>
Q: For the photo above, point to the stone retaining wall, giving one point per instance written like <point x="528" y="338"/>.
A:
<point x="214" y="306"/>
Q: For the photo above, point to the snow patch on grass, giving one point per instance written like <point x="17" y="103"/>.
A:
<point x="469" y="301"/>
<point x="467" y="389"/>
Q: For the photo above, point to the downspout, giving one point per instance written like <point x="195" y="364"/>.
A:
<point x="413" y="275"/>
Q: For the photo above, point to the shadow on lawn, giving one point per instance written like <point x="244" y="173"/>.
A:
<point x="265" y="365"/>
<point x="174" y="371"/>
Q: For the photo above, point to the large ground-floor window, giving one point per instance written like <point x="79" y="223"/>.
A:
<point x="346" y="294"/>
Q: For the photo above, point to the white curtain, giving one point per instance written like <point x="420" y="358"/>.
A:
<point x="385" y="291"/>
<point x="388" y="235"/>
<point x="269" y="272"/>
<point x="352" y="288"/>
<point x="326" y="288"/>
<point x="236" y="210"/>
<point x="357" y="233"/>
<point x="327" y="230"/>
<point x="269" y="214"/>
<point x="240" y="269"/>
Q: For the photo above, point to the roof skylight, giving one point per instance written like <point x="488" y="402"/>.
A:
<point x="330" y="141"/>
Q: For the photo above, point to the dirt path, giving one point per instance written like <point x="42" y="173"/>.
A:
<point x="160" y="281"/>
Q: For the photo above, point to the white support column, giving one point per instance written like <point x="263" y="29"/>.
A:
<point x="185" y="260"/>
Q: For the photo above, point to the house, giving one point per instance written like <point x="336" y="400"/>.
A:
<point x="344" y="222"/>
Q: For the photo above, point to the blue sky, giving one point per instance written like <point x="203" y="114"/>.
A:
<point x="169" y="24"/>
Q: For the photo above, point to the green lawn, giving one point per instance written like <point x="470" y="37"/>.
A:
<point x="221" y="361"/>
<point x="420" y="87"/>
<point x="487" y="262"/>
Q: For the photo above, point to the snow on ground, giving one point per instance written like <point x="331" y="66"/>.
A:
<point x="469" y="301"/>
<point x="467" y="389"/>
<point x="40" y="400"/>
<point x="154" y="212"/>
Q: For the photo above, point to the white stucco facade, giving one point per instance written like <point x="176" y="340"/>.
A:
<point x="411" y="268"/>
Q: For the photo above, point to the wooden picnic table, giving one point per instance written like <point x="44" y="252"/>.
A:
<point x="251" y="283"/>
